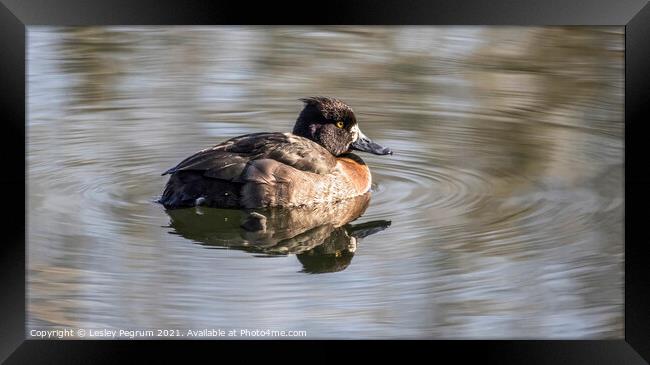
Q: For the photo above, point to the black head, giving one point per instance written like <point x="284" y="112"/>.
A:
<point x="331" y="123"/>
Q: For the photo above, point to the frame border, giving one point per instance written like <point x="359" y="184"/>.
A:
<point x="637" y="181"/>
<point x="15" y="15"/>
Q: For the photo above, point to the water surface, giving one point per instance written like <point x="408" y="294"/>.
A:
<point x="500" y="214"/>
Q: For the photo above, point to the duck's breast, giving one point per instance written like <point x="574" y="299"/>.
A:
<point x="356" y="173"/>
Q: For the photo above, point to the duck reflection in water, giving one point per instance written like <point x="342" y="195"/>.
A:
<point x="321" y="236"/>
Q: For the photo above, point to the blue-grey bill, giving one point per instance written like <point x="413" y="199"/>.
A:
<point x="364" y="144"/>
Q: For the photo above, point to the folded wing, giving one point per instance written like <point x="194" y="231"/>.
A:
<point x="230" y="159"/>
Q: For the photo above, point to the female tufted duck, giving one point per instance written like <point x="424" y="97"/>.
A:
<point x="312" y="165"/>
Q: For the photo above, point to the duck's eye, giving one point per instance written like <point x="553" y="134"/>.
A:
<point x="339" y="124"/>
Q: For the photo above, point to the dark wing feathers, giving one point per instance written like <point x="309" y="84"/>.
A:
<point x="229" y="171"/>
<point x="228" y="160"/>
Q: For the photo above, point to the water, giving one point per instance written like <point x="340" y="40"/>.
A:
<point x="500" y="215"/>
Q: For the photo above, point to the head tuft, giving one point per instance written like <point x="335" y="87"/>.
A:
<point x="330" y="108"/>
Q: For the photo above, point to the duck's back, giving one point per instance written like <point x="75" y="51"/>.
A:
<point x="257" y="170"/>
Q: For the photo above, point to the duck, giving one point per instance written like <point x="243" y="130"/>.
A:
<point x="314" y="164"/>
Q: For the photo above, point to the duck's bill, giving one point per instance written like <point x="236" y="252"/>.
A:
<point x="365" y="144"/>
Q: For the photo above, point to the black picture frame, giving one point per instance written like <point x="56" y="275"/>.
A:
<point x="16" y="15"/>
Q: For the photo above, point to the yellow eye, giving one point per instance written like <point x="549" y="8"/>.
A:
<point x="339" y="124"/>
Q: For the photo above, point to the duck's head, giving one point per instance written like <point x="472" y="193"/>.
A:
<point x="332" y="124"/>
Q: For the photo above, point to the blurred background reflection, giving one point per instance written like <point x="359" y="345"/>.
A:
<point x="504" y="196"/>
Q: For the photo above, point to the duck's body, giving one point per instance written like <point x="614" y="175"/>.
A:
<point x="265" y="169"/>
<point x="278" y="169"/>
